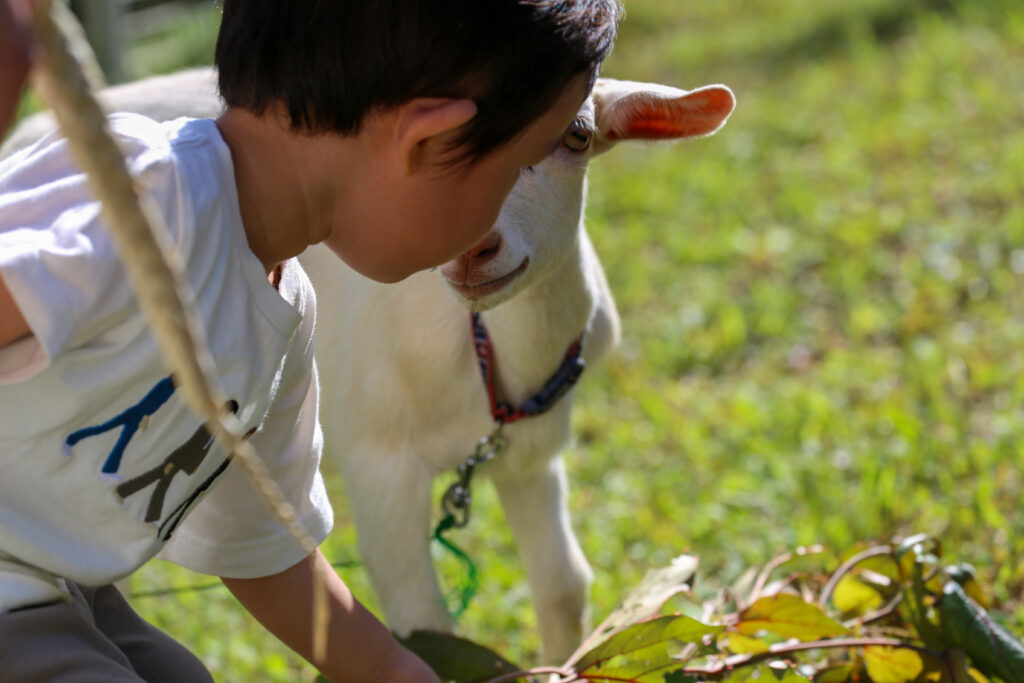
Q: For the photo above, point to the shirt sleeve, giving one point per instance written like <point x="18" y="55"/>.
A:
<point x="57" y="259"/>
<point x="232" y="532"/>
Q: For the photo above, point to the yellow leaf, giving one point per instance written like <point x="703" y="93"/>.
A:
<point x="790" y="617"/>
<point x="743" y="645"/>
<point x="976" y="593"/>
<point x="853" y="596"/>
<point x="977" y="676"/>
<point x="892" y="664"/>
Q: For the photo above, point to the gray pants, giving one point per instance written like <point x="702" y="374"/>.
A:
<point x="97" y="637"/>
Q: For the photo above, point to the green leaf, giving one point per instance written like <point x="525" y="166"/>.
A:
<point x="639" y="638"/>
<point x="457" y="659"/>
<point x="991" y="648"/>
<point x="892" y="664"/>
<point x="965" y="575"/>
<point x="835" y="674"/>
<point x="789" y="617"/>
<point x="915" y="604"/>
<point x="680" y="677"/>
<point x="748" y="675"/>
<point x="644" y="601"/>
<point x="787" y="676"/>
<point x="764" y="674"/>
<point x="649" y="665"/>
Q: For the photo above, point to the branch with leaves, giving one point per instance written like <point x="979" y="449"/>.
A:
<point x="891" y="613"/>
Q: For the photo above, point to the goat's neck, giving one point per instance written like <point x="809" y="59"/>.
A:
<point x="532" y="332"/>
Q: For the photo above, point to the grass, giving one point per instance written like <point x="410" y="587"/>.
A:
<point x="822" y="325"/>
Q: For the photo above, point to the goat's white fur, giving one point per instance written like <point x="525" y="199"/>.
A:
<point x="403" y="399"/>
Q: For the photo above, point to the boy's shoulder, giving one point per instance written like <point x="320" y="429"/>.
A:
<point x="144" y="142"/>
<point x="55" y="248"/>
<point x="183" y="165"/>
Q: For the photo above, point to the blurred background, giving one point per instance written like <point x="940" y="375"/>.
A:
<point x="822" y="311"/>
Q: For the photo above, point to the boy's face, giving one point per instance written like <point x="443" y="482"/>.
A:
<point x="434" y="213"/>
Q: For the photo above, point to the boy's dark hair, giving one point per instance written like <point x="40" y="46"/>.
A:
<point x="331" y="62"/>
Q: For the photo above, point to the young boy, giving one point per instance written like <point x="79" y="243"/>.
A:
<point x="390" y="131"/>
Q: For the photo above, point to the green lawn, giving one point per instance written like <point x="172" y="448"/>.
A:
<point x="821" y="314"/>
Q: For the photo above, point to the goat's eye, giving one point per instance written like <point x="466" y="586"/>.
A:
<point x="578" y="137"/>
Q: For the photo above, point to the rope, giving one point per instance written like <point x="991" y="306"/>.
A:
<point x="155" y="270"/>
<point x="465" y="594"/>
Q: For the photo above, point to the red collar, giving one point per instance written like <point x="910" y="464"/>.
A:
<point x="557" y="385"/>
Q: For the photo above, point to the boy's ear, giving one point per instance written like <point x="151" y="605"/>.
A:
<point x="424" y="124"/>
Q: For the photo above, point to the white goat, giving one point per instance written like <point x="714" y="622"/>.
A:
<point x="403" y="396"/>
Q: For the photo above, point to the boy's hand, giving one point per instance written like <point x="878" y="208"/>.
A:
<point x="359" y="648"/>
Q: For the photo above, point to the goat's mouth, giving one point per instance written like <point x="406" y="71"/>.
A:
<point x="480" y="290"/>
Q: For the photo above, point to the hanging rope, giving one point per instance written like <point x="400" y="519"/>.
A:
<point x="154" y="270"/>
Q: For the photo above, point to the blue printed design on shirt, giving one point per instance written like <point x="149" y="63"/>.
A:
<point x="185" y="458"/>
<point x="129" y="422"/>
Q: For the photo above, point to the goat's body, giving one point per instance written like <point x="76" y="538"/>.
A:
<point x="404" y="402"/>
<point x="190" y="93"/>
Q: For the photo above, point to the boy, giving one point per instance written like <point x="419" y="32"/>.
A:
<point x="390" y="131"/>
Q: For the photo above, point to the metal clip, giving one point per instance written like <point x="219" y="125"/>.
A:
<point x="487" y="448"/>
<point x="457" y="498"/>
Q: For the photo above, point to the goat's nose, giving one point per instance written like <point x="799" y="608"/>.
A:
<point x="486" y="249"/>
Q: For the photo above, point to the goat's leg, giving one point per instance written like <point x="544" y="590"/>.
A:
<point x="536" y="507"/>
<point x="390" y="499"/>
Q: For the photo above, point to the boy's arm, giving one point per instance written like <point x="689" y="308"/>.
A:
<point x="12" y="322"/>
<point x="15" y="53"/>
<point x="359" y="648"/>
<point x="15" y="50"/>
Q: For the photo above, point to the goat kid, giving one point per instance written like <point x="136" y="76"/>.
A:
<point x="402" y="396"/>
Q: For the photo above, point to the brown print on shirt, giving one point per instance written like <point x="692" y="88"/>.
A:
<point x="186" y="458"/>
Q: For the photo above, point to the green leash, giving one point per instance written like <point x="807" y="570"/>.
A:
<point x="456" y="500"/>
<point x="465" y="593"/>
<point x="455" y="506"/>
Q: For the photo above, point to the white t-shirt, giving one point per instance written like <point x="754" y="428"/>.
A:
<point x="100" y="461"/>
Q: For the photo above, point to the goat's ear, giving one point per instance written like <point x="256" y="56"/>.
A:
<point x="647" y="111"/>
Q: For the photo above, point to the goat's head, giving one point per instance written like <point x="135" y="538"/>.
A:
<point x="540" y="222"/>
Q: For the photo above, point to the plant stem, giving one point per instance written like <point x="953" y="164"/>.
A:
<point x="539" y="671"/>
<point x="775" y="563"/>
<point x="845" y="567"/>
<point x="879" y="614"/>
<point x="743" y="660"/>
